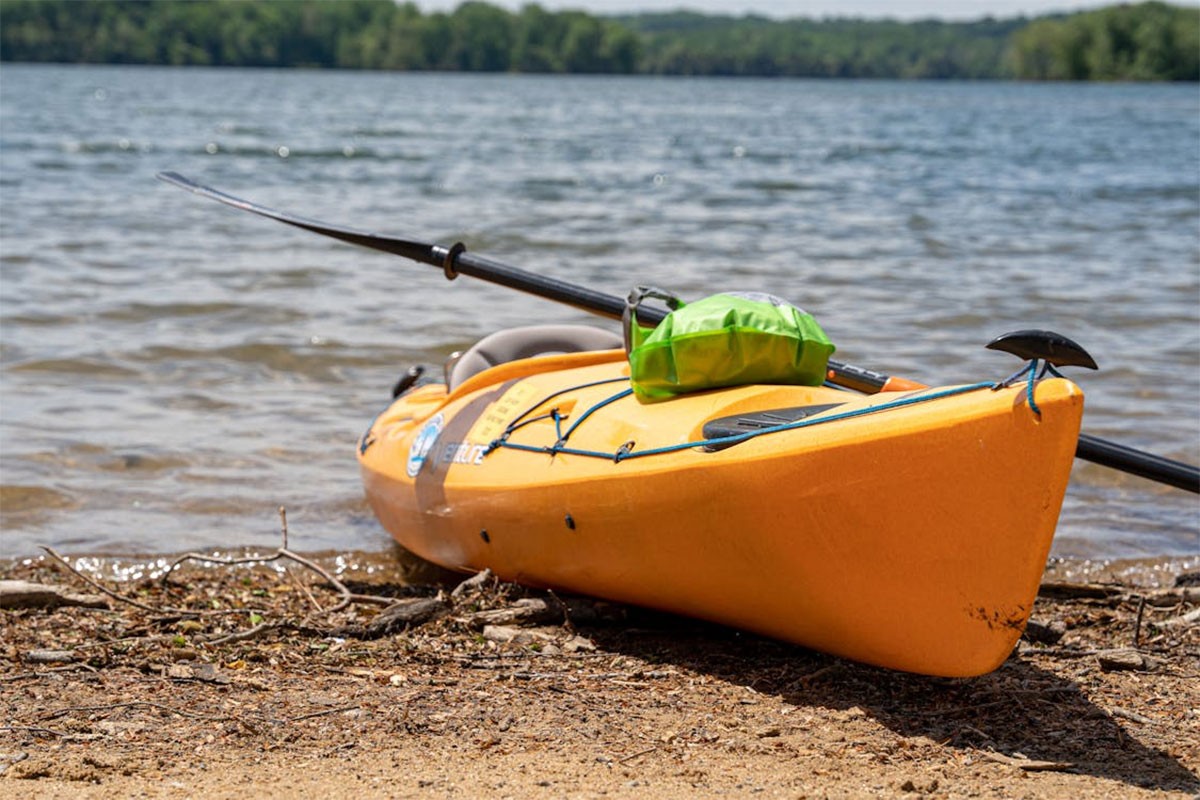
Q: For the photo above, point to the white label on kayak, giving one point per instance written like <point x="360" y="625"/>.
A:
<point x="423" y="443"/>
<point x="462" y="453"/>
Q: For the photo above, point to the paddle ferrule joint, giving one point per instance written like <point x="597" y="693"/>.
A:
<point x="456" y="249"/>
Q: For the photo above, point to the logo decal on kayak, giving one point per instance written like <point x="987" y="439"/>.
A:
<point x="421" y="445"/>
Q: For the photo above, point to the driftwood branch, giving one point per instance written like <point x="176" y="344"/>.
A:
<point x="1190" y="618"/>
<point x="526" y="611"/>
<point x="23" y="594"/>
<point x="1115" y="593"/>
<point x="472" y="585"/>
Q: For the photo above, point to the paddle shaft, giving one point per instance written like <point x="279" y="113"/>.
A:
<point x="456" y="261"/>
<point x="1138" y="462"/>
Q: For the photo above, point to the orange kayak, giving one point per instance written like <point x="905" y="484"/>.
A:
<point x="904" y="529"/>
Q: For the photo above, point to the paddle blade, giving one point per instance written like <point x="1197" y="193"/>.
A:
<point x="417" y="251"/>
<point x="1046" y="345"/>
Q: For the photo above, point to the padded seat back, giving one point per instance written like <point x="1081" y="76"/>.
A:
<point x="527" y="342"/>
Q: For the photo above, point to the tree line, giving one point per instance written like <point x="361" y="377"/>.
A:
<point x="352" y="34"/>
<point x="1150" y="41"/>
<point x="691" y="44"/>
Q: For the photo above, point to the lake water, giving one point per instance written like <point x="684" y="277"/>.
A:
<point x="174" y="370"/>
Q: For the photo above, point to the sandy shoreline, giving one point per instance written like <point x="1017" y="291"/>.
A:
<point x="261" y="694"/>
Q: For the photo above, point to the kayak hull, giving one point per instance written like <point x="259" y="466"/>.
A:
<point x="907" y="531"/>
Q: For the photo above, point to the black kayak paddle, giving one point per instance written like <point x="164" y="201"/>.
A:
<point x="455" y="261"/>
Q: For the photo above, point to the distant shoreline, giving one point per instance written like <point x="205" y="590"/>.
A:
<point x="1151" y="41"/>
<point x="316" y="70"/>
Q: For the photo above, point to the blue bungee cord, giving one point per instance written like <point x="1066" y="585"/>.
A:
<point x="1030" y="369"/>
<point x="626" y="450"/>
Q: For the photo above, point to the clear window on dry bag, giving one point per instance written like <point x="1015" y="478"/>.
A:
<point x="727" y="339"/>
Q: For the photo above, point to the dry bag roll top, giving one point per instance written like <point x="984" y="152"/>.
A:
<point x="728" y="339"/>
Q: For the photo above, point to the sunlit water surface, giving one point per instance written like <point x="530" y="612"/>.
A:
<point x="174" y="371"/>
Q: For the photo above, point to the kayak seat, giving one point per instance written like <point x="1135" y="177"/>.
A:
<point x="527" y="342"/>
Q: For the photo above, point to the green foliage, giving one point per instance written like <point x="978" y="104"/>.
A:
<point x="1152" y="41"/>
<point x="690" y="44"/>
<point x="356" y="34"/>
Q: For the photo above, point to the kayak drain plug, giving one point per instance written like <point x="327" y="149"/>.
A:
<point x="570" y="522"/>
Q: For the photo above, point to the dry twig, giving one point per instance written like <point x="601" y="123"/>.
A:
<point x="238" y="636"/>
<point x="1027" y="764"/>
<point x="59" y="712"/>
<point x="324" y="713"/>
<point x="114" y="595"/>
<point x="347" y="597"/>
<point x="637" y="755"/>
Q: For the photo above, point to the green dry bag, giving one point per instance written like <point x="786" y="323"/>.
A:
<point x="728" y="339"/>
